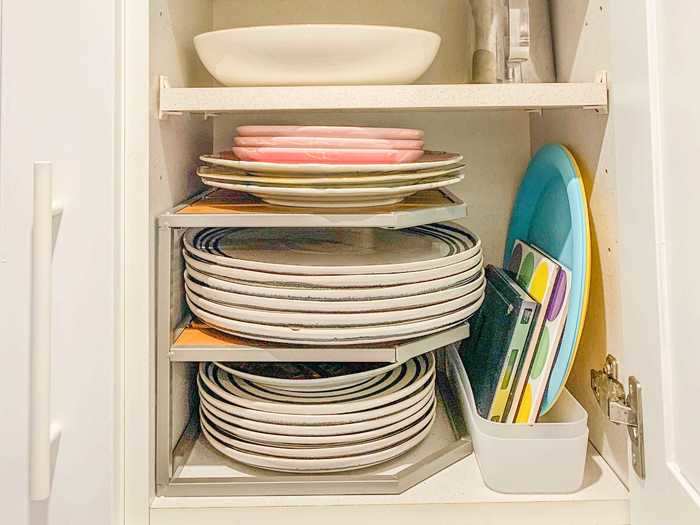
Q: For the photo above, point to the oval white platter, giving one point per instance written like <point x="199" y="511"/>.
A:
<point x="334" y="251"/>
<point x="398" y="384"/>
<point x="219" y="419"/>
<point x="333" y="197"/>
<point x="333" y="432"/>
<point x="334" y="281"/>
<point x="218" y="397"/>
<point x="333" y="336"/>
<point x="316" y="385"/>
<point x="233" y="175"/>
<point x="318" y="465"/>
<point x="198" y="294"/>
<point x="429" y="160"/>
<point x="230" y="292"/>
<point x="325" y="451"/>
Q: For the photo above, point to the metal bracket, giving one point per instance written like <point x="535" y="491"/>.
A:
<point x="622" y="409"/>
<point x="601" y="78"/>
<point x="164" y="84"/>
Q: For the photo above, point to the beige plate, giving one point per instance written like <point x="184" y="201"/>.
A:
<point x="429" y="160"/>
<point x="231" y="175"/>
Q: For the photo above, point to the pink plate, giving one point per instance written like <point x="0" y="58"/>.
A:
<point x="328" y="156"/>
<point x="330" y="131"/>
<point x="325" y="142"/>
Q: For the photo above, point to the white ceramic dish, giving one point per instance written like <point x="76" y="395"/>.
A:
<point x="317" y="54"/>
<point x="317" y="452"/>
<point x="335" y="281"/>
<point x="255" y="315"/>
<point x="345" y="197"/>
<point x="343" y="132"/>
<point x="326" y="142"/>
<point x="231" y="294"/>
<point x="314" y="386"/>
<point x="364" y="389"/>
<point x="318" y="465"/>
<point x="319" y="393"/>
<point x="219" y="419"/>
<point x="334" y="251"/>
<point x="332" y="295"/>
<point x="341" y="433"/>
<point x="219" y="397"/>
<point x="429" y="160"/>
<point x="396" y="385"/>
<point x="214" y="290"/>
<point x="237" y="176"/>
<point x="333" y="336"/>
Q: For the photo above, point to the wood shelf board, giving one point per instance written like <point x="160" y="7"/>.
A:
<point x="401" y="97"/>
<point x="222" y="208"/>
<point x="197" y="343"/>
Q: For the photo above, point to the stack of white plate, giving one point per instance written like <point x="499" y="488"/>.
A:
<point x="324" y="185"/>
<point x="333" y="286"/>
<point x="309" y="422"/>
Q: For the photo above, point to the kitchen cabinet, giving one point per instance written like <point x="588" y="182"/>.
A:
<point x="114" y="96"/>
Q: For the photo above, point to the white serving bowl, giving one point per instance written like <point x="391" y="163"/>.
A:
<point x="317" y="54"/>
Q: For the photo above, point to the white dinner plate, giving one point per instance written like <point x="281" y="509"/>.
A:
<point x="317" y="465"/>
<point x="255" y="315"/>
<point x="217" y="396"/>
<point x="330" y="295"/>
<point x="334" y="281"/>
<point x="362" y="196"/>
<point x="334" y="251"/>
<point x="232" y="175"/>
<point x="340" y="179"/>
<point x="324" y="451"/>
<point x="398" y="384"/>
<point x="364" y="389"/>
<point x="221" y="420"/>
<point x="334" y="432"/>
<point x="315" y="386"/>
<point x="330" y="336"/>
<point x="229" y="292"/>
<point x="429" y="160"/>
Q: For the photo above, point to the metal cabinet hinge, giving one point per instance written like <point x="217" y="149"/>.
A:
<point x="620" y="408"/>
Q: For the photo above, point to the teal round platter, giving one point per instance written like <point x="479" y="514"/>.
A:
<point x="551" y="212"/>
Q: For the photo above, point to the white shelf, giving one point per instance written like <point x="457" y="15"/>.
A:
<point x="226" y="208"/>
<point x="406" y="97"/>
<point x="455" y="495"/>
<point x="197" y="343"/>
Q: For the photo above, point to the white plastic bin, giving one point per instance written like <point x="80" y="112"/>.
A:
<point x="544" y="458"/>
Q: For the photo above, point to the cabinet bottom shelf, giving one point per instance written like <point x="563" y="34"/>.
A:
<point x="457" y="494"/>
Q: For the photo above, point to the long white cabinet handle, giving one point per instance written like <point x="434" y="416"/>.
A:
<point x="42" y="252"/>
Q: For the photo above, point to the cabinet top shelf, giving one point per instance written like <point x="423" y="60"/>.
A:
<point x="456" y="97"/>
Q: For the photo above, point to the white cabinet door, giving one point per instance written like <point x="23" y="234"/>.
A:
<point x="657" y="130"/>
<point x="58" y="69"/>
